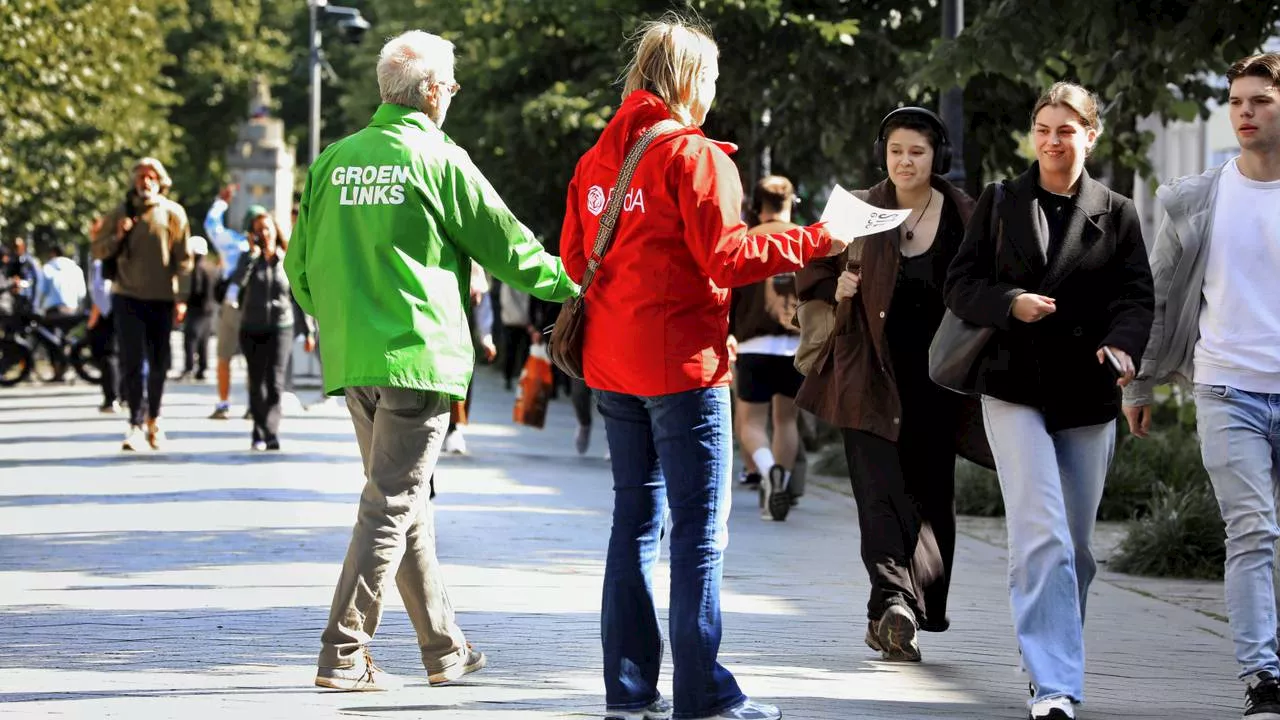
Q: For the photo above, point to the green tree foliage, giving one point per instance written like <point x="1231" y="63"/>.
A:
<point x="1142" y="57"/>
<point x="541" y="78"/>
<point x="220" y="48"/>
<point x="82" y="95"/>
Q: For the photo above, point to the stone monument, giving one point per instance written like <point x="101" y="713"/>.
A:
<point x="261" y="162"/>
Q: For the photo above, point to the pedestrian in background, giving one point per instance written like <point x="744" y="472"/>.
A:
<point x="202" y="308"/>
<point x="145" y="240"/>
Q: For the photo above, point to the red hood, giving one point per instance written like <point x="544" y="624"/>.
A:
<point x="640" y="111"/>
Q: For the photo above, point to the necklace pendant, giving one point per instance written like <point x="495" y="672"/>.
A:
<point x="911" y="235"/>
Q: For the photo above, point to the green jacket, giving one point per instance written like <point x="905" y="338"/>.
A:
<point x="390" y="220"/>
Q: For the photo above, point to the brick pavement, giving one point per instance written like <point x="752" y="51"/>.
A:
<point x="194" y="582"/>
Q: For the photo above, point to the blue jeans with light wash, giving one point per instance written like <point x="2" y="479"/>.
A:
<point x="1052" y="486"/>
<point x="1240" y="445"/>
<point x="671" y="450"/>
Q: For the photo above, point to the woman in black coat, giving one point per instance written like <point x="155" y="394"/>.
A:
<point x="269" y="321"/>
<point x="1066" y="285"/>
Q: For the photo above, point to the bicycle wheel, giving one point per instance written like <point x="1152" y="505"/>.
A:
<point x="81" y="354"/>
<point x="15" y="362"/>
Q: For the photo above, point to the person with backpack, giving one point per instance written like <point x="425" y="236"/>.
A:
<point x="143" y="245"/>
<point x="764" y="370"/>
<point x="901" y="431"/>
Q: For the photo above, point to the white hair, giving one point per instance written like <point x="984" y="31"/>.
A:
<point x="409" y="64"/>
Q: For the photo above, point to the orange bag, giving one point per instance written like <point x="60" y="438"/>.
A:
<point x="534" y="391"/>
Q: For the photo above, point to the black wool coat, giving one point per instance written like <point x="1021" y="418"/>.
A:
<point x="1099" y="278"/>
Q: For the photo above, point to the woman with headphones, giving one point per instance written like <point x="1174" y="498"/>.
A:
<point x="901" y="431"/>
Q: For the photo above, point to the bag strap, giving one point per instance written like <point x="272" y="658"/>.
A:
<point x="608" y="222"/>
<point x="997" y="223"/>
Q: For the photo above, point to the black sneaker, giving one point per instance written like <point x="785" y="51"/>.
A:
<point x="775" y="497"/>
<point x="1262" y="697"/>
<point x="749" y="479"/>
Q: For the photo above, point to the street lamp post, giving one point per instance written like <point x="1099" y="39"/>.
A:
<point x="952" y="106"/>
<point x="353" y="26"/>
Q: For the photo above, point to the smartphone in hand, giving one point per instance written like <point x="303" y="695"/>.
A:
<point x="1113" y="361"/>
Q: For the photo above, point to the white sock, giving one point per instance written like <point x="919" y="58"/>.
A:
<point x="763" y="459"/>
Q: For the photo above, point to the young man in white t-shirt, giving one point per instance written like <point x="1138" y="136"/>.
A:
<point x="1217" y="324"/>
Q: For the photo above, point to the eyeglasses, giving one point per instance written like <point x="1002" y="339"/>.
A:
<point x="450" y="86"/>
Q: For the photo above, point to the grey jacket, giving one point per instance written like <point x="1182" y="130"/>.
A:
<point x="1178" y="263"/>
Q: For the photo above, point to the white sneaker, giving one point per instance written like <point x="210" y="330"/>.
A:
<point x="1056" y="708"/>
<point x="455" y="443"/>
<point x="134" y="438"/>
<point x="365" y="676"/>
<point x="748" y="710"/>
<point x="659" y="709"/>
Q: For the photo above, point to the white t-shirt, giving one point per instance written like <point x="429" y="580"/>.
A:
<point x="1239" y="342"/>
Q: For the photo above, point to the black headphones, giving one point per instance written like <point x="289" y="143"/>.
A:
<point x="941" y="154"/>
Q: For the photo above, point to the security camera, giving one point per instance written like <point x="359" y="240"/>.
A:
<point x="353" y="29"/>
<point x="350" y="22"/>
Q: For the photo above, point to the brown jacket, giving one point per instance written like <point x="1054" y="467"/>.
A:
<point x="851" y="384"/>
<point x="156" y="262"/>
<point x="749" y="316"/>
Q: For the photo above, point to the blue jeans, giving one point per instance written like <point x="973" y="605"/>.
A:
<point x="1240" y="444"/>
<point x="1052" y="486"/>
<point x="669" y="450"/>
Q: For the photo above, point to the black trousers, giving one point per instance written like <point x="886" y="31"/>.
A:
<point x="102" y="343"/>
<point x="195" y="342"/>
<point x="143" y="328"/>
<point x="580" y="396"/>
<point x="267" y="355"/>
<point x="515" y="350"/>
<point x="906" y="511"/>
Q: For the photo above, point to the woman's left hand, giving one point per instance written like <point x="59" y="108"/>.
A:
<point x="1126" y="371"/>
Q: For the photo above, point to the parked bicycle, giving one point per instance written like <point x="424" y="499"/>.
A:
<point x="47" y="347"/>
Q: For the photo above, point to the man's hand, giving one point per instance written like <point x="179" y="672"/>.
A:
<point x="1030" y="308"/>
<point x="228" y="192"/>
<point x="847" y="285"/>
<point x="1126" y="370"/>
<point x="309" y="344"/>
<point x="490" y="350"/>
<point x="1139" y="417"/>
<point x="733" y="349"/>
<point x="94" y="316"/>
<point x="535" y="335"/>
<point x="123" y="226"/>
<point x="179" y="312"/>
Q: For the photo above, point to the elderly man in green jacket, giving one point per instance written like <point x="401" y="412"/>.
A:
<point x="390" y="221"/>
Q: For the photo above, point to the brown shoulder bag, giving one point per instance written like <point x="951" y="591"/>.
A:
<point x="565" y="337"/>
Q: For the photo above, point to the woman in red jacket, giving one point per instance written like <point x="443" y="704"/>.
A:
<point x="655" y="350"/>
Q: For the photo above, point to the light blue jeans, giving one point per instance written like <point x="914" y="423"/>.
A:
<point x="1240" y="444"/>
<point x="1052" y="486"/>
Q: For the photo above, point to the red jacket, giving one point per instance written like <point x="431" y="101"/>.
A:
<point x="658" y="309"/>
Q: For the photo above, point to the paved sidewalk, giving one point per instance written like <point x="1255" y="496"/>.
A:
<point x="194" y="582"/>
